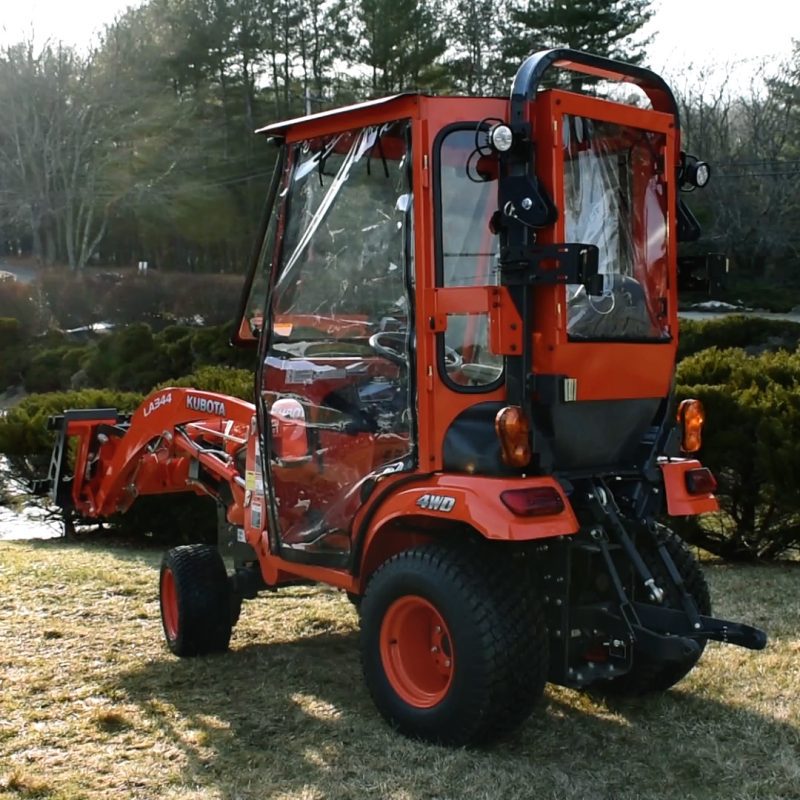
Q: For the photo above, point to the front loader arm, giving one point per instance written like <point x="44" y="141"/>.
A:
<point x="177" y="440"/>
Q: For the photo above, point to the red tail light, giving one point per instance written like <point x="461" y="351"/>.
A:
<point x="537" y="501"/>
<point x="700" y="481"/>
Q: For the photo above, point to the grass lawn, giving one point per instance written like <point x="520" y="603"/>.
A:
<point x="93" y="705"/>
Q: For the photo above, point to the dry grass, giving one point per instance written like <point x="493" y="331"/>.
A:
<point x="92" y="704"/>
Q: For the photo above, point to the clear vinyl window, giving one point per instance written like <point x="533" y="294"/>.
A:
<point x="615" y="197"/>
<point x="344" y="247"/>
<point x="469" y="257"/>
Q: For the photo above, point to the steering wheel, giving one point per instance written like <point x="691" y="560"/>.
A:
<point x="392" y="344"/>
<point x="482" y="374"/>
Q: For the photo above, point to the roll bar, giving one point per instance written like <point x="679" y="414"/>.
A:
<point x="533" y="69"/>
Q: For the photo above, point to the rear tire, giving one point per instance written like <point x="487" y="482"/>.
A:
<point x="650" y="675"/>
<point x="196" y="609"/>
<point x="453" y="644"/>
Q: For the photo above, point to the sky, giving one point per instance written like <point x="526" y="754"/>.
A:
<point x="691" y="36"/>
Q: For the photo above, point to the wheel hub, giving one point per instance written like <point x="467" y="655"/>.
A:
<point x="417" y="651"/>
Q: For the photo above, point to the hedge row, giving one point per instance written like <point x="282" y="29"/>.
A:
<point x="753" y="334"/>
<point x="752" y="400"/>
<point x="23" y="430"/>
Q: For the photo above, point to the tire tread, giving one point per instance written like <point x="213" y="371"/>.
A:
<point x="510" y="628"/>
<point x="204" y="605"/>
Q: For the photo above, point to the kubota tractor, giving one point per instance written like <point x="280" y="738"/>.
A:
<point x="464" y="312"/>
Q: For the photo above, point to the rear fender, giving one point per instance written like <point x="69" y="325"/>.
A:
<point x="445" y="502"/>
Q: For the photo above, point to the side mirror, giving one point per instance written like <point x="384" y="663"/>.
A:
<point x="706" y="273"/>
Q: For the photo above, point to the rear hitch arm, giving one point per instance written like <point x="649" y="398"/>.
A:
<point x="627" y="624"/>
<point x="676" y="623"/>
<point x="657" y="645"/>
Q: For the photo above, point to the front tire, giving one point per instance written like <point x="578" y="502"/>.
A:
<point x="196" y="608"/>
<point x="453" y="644"/>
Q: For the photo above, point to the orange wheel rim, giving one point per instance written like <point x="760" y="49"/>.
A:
<point x="417" y="651"/>
<point x="169" y="605"/>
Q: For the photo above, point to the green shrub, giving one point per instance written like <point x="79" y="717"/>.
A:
<point x="23" y="430"/>
<point x="11" y="334"/>
<point x="135" y="359"/>
<point x="175" y="342"/>
<point x="129" y="359"/>
<point x="12" y="352"/>
<point x="211" y="345"/>
<point x="224" y="380"/>
<point x="750" y="443"/>
<point x="52" y="370"/>
<point x="754" y="333"/>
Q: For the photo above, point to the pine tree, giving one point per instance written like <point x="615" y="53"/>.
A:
<point x="401" y="42"/>
<point x="474" y="40"/>
<point x="601" y="27"/>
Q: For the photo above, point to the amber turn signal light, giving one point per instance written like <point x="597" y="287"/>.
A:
<point x="514" y="432"/>
<point x="691" y="417"/>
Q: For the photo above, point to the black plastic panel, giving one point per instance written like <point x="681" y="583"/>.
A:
<point x="598" y="433"/>
<point x="471" y="444"/>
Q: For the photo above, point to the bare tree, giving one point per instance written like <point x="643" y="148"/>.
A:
<point x="52" y="151"/>
<point x="751" y="207"/>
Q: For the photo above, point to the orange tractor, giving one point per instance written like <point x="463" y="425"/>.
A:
<point x="464" y="318"/>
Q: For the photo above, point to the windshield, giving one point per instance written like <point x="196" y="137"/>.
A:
<point x="343" y="264"/>
<point x="615" y="197"/>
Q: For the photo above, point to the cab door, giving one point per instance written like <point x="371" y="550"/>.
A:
<point x="334" y="375"/>
<point x="609" y="169"/>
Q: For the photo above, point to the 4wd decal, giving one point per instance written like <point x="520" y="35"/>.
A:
<point x="437" y="502"/>
<point x="204" y="405"/>
<point x="158" y="402"/>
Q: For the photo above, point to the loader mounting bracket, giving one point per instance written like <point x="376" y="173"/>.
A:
<point x="57" y="485"/>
